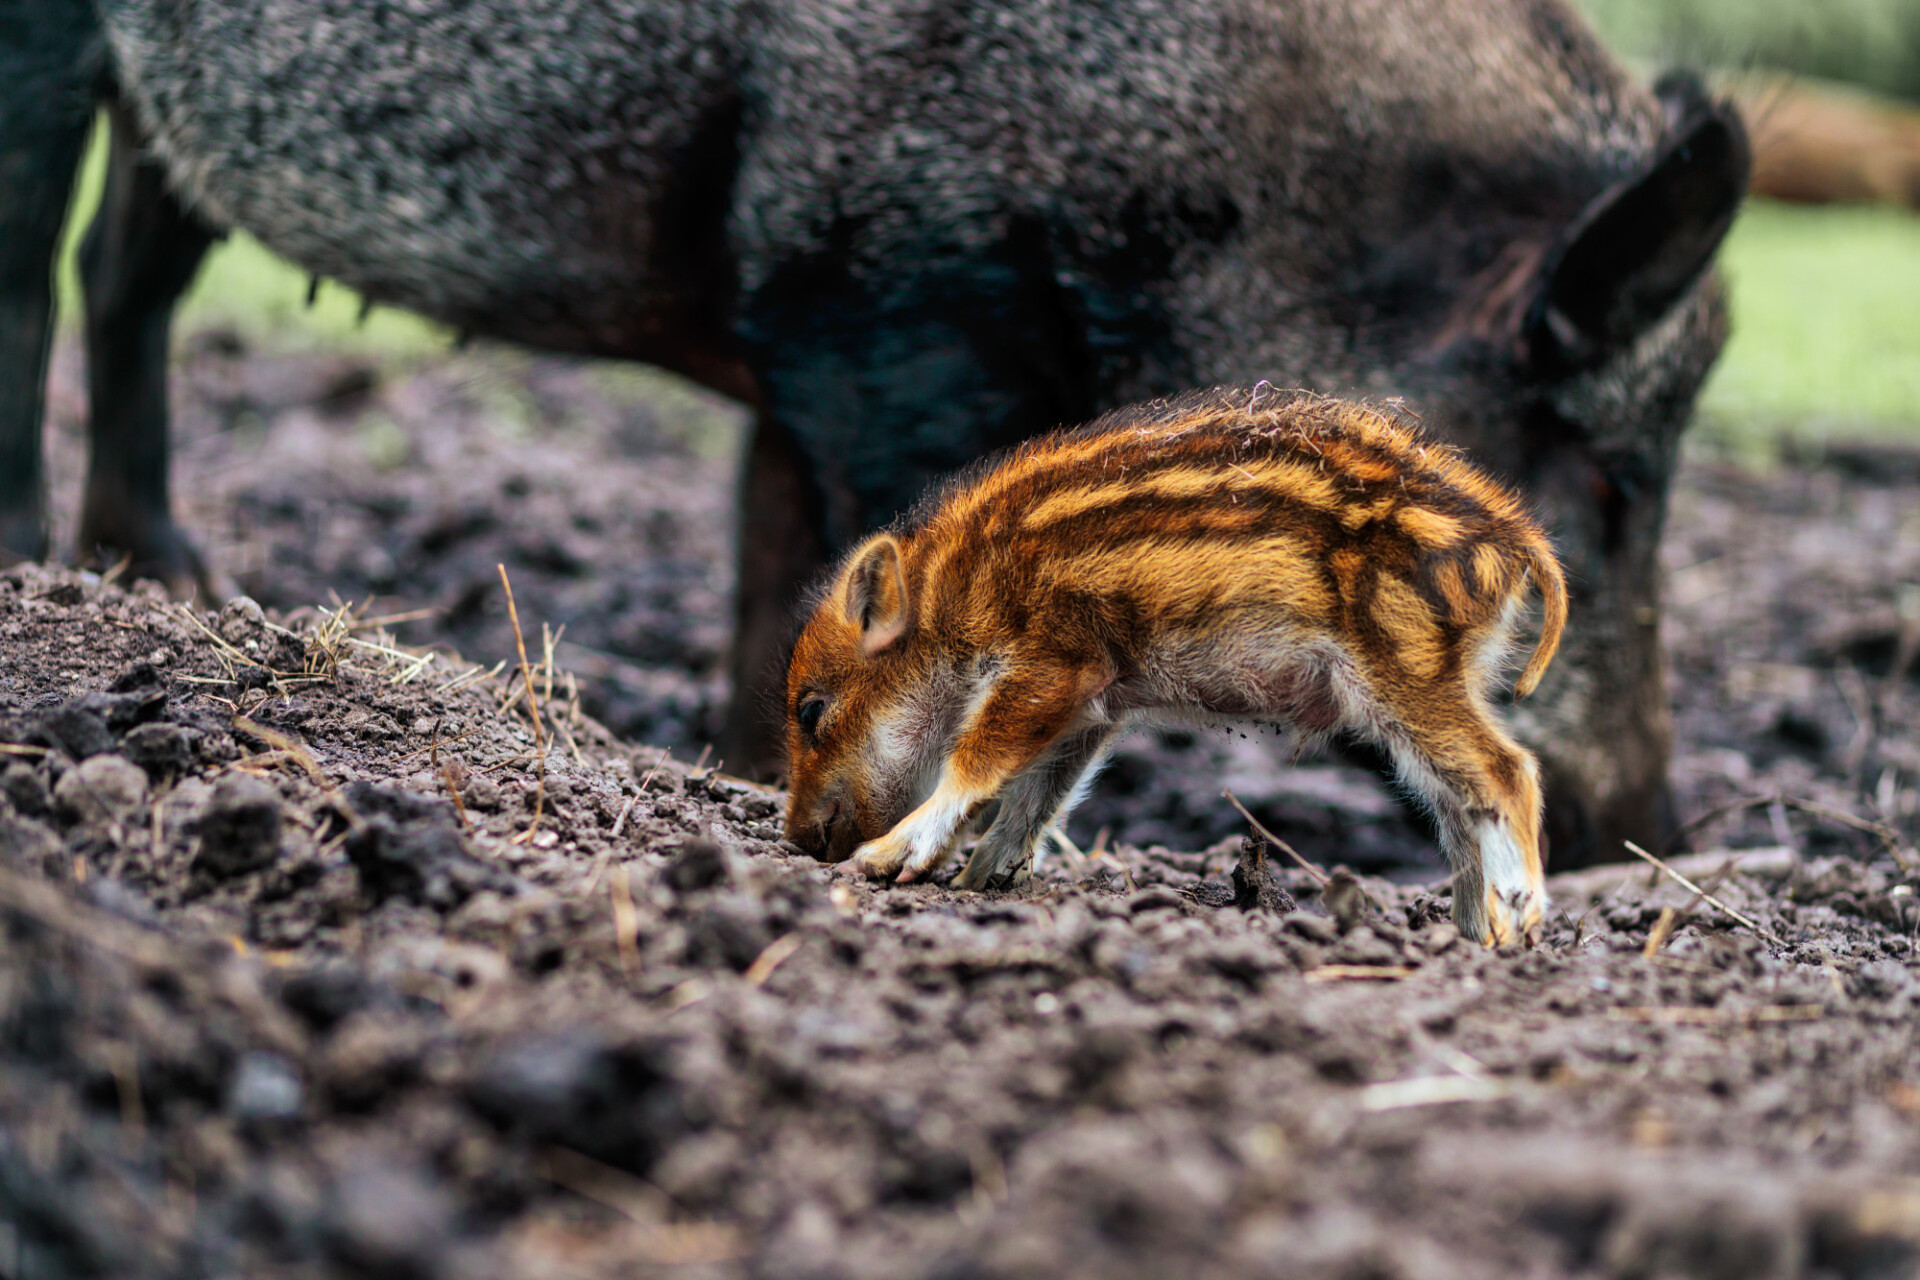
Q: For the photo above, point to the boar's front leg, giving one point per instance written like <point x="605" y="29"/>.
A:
<point x="44" y="75"/>
<point x="780" y="551"/>
<point x="880" y="371"/>
<point x="138" y="257"/>
<point x="1040" y="797"/>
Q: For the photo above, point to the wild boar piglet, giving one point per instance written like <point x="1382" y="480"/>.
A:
<point x="1233" y="555"/>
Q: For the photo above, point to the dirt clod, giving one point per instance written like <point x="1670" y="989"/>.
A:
<point x="411" y="846"/>
<point x="240" y="827"/>
<point x="101" y="788"/>
<point x="165" y="751"/>
<point x="697" y="864"/>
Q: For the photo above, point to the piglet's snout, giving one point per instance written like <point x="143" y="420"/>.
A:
<point x="830" y="834"/>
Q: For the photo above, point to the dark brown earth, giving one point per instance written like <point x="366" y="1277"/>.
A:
<point x="273" y="1001"/>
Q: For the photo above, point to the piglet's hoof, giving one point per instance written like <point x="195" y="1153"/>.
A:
<point x="994" y="879"/>
<point x="877" y="859"/>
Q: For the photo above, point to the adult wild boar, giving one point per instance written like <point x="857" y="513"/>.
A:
<point x="912" y="231"/>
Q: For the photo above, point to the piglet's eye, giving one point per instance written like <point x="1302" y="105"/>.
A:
<point x="809" y="714"/>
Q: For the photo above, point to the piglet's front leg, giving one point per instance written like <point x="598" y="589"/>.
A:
<point x="1033" y="803"/>
<point x="1016" y="722"/>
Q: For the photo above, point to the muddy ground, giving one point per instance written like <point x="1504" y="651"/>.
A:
<point x="314" y="960"/>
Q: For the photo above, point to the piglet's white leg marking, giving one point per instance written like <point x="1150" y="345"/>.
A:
<point x="1481" y="787"/>
<point x="919" y="840"/>
<point x="1016" y="723"/>
<point x="1516" y="903"/>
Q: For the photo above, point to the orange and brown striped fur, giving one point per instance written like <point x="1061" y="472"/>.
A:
<point x="1227" y="555"/>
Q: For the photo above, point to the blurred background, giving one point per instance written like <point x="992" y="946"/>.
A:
<point x="1826" y="283"/>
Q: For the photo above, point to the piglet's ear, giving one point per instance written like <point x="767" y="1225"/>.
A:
<point x="876" y="597"/>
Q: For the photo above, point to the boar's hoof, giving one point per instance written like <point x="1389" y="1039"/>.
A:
<point x="152" y="548"/>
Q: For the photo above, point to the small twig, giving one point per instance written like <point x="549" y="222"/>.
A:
<point x="295" y="749"/>
<point x="453" y="791"/>
<point x="1320" y="876"/>
<point x="1887" y="835"/>
<point x="1711" y="883"/>
<point x="619" y="823"/>
<point x="437" y="743"/>
<point x="1580" y="925"/>
<point x="473" y="677"/>
<point x="220" y="642"/>
<point x="1833" y="972"/>
<point x="777" y="952"/>
<point x="1360" y="973"/>
<point x="1429" y="1091"/>
<point x="690" y="992"/>
<point x="1748" y="921"/>
<point x="666" y="754"/>
<point x="659" y="1241"/>
<point x="21" y="749"/>
<point x="599" y="869"/>
<point x="1657" y="936"/>
<point x="388" y="651"/>
<point x="261" y="762"/>
<point x="626" y="924"/>
<point x="533" y="703"/>
<point x="1064" y="843"/>
<point x="548" y="638"/>
<point x="1713" y="815"/>
<point x="636" y="1198"/>
<point x="387" y="620"/>
<point x="120" y="566"/>
<point x="573" y="744"/>
<point x="158" y="830"/>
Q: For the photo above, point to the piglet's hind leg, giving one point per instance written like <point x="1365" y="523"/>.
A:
<point x="1485" y="793"/>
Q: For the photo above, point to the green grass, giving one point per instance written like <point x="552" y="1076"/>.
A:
<point x="1874" y="43"/>
<point x="1826" y="319"/>
<point x="1826" y="325"/>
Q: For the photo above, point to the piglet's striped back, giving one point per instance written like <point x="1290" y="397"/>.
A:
<point x="1180" y="514"/>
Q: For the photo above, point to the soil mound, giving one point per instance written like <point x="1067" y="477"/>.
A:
<point x="317" y="958"/>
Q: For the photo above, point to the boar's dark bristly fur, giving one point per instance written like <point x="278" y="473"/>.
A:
<point x="910" y="233"/>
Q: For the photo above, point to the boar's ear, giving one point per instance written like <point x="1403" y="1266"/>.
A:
<point x="1635" y="250"/>
<point x="876" y="599"/>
